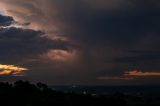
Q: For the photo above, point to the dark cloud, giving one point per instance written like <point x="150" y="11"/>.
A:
<point x="142" y="60"/>
<point x="119" y="27"/>
<point x="113" y="36"/>
<point x="23" y="47"/>
<point x="17" y="43"/>
<point x="143" y="56"/>
<point x="108" y="35"/>
<point x="5" y="20"/>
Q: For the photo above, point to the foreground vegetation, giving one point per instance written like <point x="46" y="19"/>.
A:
<point x="22" y="93"/>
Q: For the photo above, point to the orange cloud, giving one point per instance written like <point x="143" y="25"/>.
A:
<point x="131" y="75"/>
<point x="12" y="70"/>
<point x="139" y="73"/>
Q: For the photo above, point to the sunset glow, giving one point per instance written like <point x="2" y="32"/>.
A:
<point x="140" y="73"/>
<point x="130" y="75"/>
<point x="12" y="70"/>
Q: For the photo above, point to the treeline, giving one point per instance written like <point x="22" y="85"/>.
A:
<point x="23" y="93"/>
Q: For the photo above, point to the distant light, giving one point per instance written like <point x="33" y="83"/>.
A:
<point x="84" y="93"/>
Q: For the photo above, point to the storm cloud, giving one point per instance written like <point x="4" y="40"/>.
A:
<point x="104" y="37"/>
<point x="19" y="46"/>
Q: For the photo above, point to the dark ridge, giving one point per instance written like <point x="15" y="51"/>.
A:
<point x="23" y="93"/>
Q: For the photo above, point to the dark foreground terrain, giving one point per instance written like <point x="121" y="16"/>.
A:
<point x="22" y="93"/>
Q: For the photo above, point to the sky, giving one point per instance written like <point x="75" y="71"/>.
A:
<point x="83" y="42"/>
